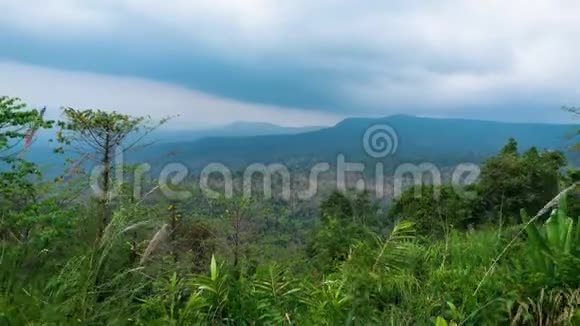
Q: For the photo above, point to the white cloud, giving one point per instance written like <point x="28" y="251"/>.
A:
<point x="55" y="16"/>
<point x="40" y="86"/>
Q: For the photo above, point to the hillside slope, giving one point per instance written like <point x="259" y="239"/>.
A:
<point x="442" y="141"/>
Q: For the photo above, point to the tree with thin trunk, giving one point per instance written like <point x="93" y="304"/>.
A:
<point x="237" y="216"/>
<point x="100" y="136"/>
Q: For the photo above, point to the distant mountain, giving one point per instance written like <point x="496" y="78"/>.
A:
<point x="441" y="141"/>
<point x="235" y="129"/>
<point x="444" y="142"/>
<point x="41" y="151"/>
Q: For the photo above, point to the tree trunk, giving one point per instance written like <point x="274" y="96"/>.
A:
<point x="106" y="185"/>
<point x="236" y="225"/>
<point x="173" y="211"/>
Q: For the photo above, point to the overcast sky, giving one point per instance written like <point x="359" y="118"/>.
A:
<point x="299" y="62"/>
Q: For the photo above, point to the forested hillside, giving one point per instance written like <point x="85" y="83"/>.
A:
<point x="443" y="141"/>
<point x="505" y="251"/>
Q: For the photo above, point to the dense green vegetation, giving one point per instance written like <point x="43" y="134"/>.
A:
<point x="509" y="253"/>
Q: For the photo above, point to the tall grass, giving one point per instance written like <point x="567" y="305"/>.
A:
<point x="386" y="279"/>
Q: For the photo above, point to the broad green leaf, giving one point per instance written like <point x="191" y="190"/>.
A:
<point x="441" y="322"/>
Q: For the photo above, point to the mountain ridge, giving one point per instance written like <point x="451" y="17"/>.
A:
<point x="419" y="139"/>
<point x="446" y="142"/>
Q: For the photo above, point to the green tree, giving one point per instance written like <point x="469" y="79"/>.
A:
<point x="344" y="220"/>
<point x="99" y="135"/>
<point x="18" y="124"/>
<point x="510" y="182"/>
<point x="433" y="209"/>
<point x="337" y="205"/>
<point x="354" y="207"/>
<point x="573" y="173"/>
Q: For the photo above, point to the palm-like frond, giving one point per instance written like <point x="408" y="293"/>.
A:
<point x="557" y="237"/>
<point x="277" y="295"/>
<point x="211" y="292"/>
<point x="394" y="249"/>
